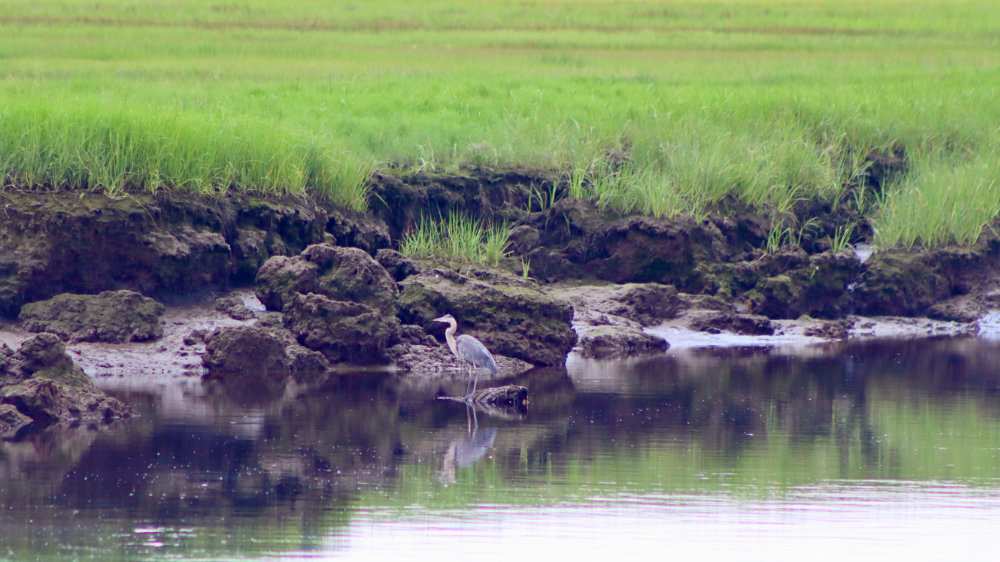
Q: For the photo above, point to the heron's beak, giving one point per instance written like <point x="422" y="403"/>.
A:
<point x="441" y="319"/>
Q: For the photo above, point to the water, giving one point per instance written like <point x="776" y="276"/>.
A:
<point x="864" y="450"/>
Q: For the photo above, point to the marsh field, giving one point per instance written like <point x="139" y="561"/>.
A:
<point x="768" y="101"/>
<point x="161" y="147"/>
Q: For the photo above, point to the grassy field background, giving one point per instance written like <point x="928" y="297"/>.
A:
<point x="771" y="101"/>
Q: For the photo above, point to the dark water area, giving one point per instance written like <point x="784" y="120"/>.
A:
<point x="867" y="450"/>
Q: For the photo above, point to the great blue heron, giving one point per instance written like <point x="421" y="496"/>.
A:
<point x="468" y="349"/>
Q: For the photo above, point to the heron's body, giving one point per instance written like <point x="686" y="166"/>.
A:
<point x="468" y="349"/>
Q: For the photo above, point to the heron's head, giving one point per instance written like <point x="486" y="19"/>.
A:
<point x="447" y="319"/>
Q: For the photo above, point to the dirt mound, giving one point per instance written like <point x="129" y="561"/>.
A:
<point x="111" y="316"/>
<point x="343" y="331"/>
<point x="245" y="349"/>
<point x="338" y="301"/>
<point x="40" y="383"/>
<point x="255" y="352"/>
<point x="343" y="274"/>
<point x="606" y="341"/>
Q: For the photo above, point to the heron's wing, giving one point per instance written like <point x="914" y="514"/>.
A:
<point x="472" y="350"/>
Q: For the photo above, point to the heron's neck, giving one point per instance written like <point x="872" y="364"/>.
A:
<point x="449" y="336"/>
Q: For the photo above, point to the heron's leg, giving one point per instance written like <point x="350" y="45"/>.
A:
<point x="468" y="392"/>
<point x="475" y="379"/>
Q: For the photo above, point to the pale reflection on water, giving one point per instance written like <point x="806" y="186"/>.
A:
<point x="865" y="450"/>
<point x="838" y="520"/>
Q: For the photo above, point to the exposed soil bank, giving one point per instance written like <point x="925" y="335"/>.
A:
<point x="170" y="244"/>
<point x="162" y="245"/>
<point x="332" y="292"/>
<point x="724" y="254"/>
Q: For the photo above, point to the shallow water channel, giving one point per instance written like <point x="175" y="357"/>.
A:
<point x="869" y="450"/>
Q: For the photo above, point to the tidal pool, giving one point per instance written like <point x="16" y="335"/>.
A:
<point x="867" y="450"/>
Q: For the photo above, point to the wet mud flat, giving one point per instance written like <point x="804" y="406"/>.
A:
<point x="173" y="363"/>
<point x="174" y="356"/>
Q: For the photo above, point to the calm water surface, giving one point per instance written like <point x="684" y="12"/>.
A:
<point x="866" y="450"/>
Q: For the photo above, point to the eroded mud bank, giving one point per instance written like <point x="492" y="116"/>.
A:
<point x="324" y="290"/>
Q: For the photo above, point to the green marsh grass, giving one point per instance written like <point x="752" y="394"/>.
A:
<point x="117" y="150"/>
<point x="706" y="99"/>
<point x="457" y="238"/>
<point x="841" y="238"/>
<point x="940" y="203"/>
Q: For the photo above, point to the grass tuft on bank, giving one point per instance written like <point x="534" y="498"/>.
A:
<point x="458" y="238"/>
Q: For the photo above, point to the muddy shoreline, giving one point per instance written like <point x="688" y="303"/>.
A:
<point x="302" y="291"/>
<point x="175" y="359"/>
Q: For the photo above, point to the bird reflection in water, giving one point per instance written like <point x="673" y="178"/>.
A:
<point x="467" y="451"/>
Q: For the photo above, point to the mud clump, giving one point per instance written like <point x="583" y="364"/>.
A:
<point x="343" y="331"/>
<point x="338" y="301"/>
<point x="47" y="402"/>
<point x="575" y="238"/>
<point x="818" y="287"/>
<point x="11" y="418"/>
<point x="44" y="356"/>
<point x="746" y="324"/>
<point x="831" y="329"/>
<point x="256" y="352"/>
<point x="345" y="274"/>
<point x="40" y="383"/>
<point x="396" y="264"/>
<point x="910" y="283"/>
<point x="643" y="249"/>
<point x="606" y="342"/>
<point x="234" y="308"/>
<point x="112" y="316"/>
<point x="648" y="303"/>
<point x="645" y="304"/>
<point x="245" y="349"/>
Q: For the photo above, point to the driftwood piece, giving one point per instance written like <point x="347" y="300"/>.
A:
<point x="507" y="396"/>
